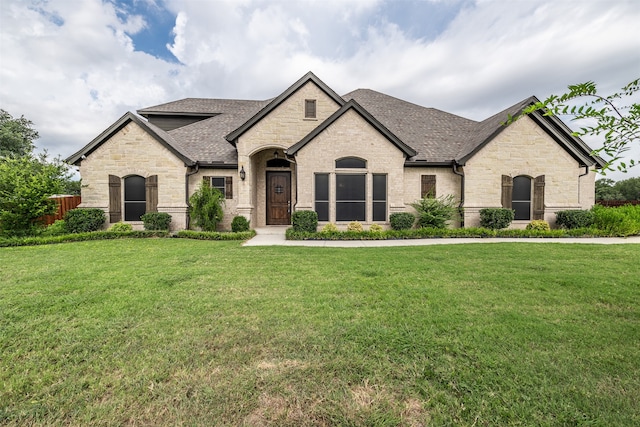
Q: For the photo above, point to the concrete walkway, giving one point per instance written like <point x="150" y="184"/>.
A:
<point x="275" y="236"/>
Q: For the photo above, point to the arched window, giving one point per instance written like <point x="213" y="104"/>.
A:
<point x="521" y="197"/>
<point x="351" y="163"/>
<point x="135" y="203"/>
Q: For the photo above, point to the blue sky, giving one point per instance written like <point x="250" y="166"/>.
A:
<point x="75" y="66"/>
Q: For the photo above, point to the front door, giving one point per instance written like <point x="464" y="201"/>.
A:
<point x="278" y="198"/>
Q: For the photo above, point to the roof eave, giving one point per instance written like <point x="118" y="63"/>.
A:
<point x="128" y="117"/>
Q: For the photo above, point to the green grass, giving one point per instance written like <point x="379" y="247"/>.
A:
<point x="189" y="332"/>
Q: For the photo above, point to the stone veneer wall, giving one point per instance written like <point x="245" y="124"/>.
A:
<point x="281" y="128"/>
<point x="131" y="151"/>
<point x="524" y="148"/>
<point x="350" y="136"/>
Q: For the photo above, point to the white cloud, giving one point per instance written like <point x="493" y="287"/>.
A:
<point x="71" y="66"/>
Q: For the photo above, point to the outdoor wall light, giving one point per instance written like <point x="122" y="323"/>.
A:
<point x="275" y="154"/>
<point x="243" y="174"/>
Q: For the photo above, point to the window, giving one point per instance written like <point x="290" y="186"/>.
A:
<point x="135" y="203"/>
<point x="322" y="196"/>
<point x="309" y="108"/>
<point x="351" y="163"/>
<point x="428" y="186"/>
<point x="379" y="197"/>
<point x="350" y="197"/>
<point x="222" y="183"/>
<point x="521" y="198"/>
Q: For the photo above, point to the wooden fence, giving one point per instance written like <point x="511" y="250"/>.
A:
<point x="616" y="203"/>
<point x="65" y="203"/>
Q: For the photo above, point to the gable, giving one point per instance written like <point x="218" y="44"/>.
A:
<point x="288" y="108"/>
<point x="348" y="110"/>
<point x="154" y="132"/>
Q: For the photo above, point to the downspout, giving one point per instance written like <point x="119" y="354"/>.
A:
<point x="186" y="189"/>
<point x="586" y="172"/>
<point x="461" y="205"/>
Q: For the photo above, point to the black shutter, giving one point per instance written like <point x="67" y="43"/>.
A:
<point x="538" y="197"/>
<point x="507" y="191"/>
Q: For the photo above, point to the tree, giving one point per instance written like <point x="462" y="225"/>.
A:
<point x="206" y="207"/>
<point x="26" y="183"/>
<point x="606" y="116"/>
<point x="16" y="135"/>
<point x="605" y="190"/>
<point x="628" y="188"/>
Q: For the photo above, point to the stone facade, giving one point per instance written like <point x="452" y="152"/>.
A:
<point x="132" y="151"/>
<point x="524" y="148"/>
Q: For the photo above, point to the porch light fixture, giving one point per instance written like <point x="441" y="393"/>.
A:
<point x="275" y="154"/>
<point x="243" y="174"/>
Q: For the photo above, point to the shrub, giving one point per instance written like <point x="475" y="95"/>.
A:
<point x="402" y="220"/>
<point x="206" y="207"/>
<point x="121" y="227"/>
<point x="305" y="221"/>
<point x="375" y="228"/>
<point x="574" y="218"/>
<point x="330" y="228"/>
<point x="239" y="223"/>
<point x="496" y="218"/>
<point x="538" y="224"/>
<point x="58" y="228"/>
<point x="435" y="213"/>
<point x="620" y="221"/>
<point x="83" y="220"/>
<point x="354" y="226"/>
<point x="156" y="221"/>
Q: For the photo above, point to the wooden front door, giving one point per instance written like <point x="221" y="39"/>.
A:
<point x="278" y="198"/>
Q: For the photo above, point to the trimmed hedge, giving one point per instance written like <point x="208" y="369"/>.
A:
<point x="496" y="218"/>
<point x="214" y="235"/>
<point x="84" y="220"/>
<point x="305" y="221"/>
<point x="402" y="220"/>
<point x="575" y="218"/>
<point x="79" y="237"/>
<point x="156" y="221"/>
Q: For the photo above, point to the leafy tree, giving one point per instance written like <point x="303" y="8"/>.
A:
<point x="605" y="190"/>
<point x="16" y="135"/>
<point x="206" y="207"/>
<point x="628" y="188"/>
<point x="607" y="116"/>
<point x="25" y="186"/>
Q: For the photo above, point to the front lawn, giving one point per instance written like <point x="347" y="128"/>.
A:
<point x="190" y="332"/>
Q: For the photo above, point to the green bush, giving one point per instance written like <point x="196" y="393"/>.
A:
<point x="574" y="218"/>
<point x="435" y="213"/>
<point x="620" y="221"/>
<point x="206" y="207"/>
<point x="402" y="220"/>
<point x="305" y="221"/>
<point x="354" y="226"/>
<point x="121" y="227"/>
<point x="213" y="235"/>
<point x="58" y="228"/>
<point x="239" y="223"/>
<point x="156" y="221"/>
<point x="496" y="218"/>
<point x="538" y="224"/>
<point x="83" y="220"/>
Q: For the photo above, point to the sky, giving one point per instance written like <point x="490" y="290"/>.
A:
<point x="74" y="67"/>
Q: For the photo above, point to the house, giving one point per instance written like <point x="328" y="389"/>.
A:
<point x="361" y="156"/>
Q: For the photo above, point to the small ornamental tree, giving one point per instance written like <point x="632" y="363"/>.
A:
<point x="206" y="207"/>
<point x="605" y="116"/>
<point x="435" y="213"/>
